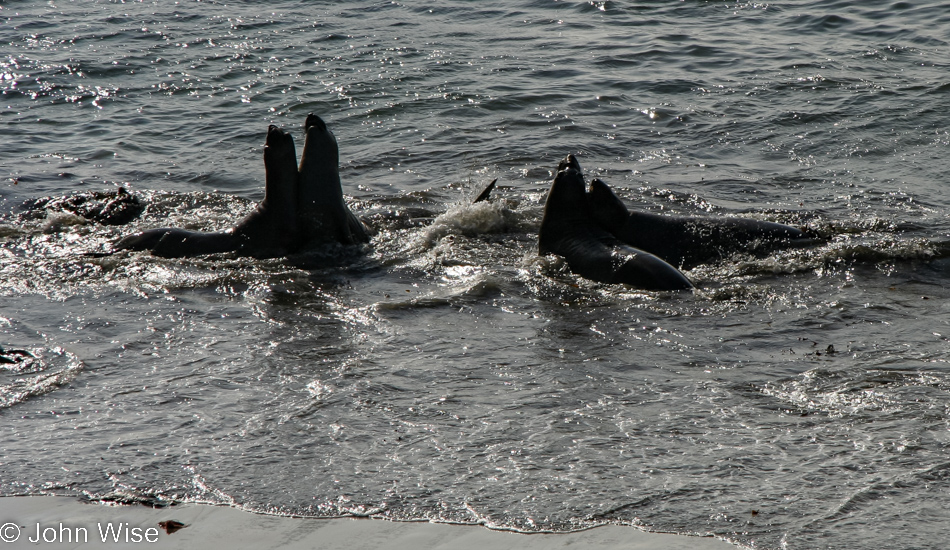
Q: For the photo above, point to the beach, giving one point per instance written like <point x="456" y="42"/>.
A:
<point x="64" y="522"/>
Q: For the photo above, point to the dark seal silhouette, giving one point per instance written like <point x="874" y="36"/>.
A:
<point x="301" y="208"/>
<point x="322" y="215"/>
<point x="10" y="356"/>
<point x="685" y="241"/>
<point x="689" y="241"/>
<point x="568" y="229"/>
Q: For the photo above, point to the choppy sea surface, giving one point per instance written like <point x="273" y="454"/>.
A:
<point x="445" y="371"/>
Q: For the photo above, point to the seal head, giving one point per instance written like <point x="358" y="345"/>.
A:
<point x="322" y="215"/>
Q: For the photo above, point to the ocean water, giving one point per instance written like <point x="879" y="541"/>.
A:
<point x="445" y="371"/>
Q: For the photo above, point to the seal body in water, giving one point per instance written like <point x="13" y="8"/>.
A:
<point x="299" y="209"/>
<point x="687" y="241"/>
<point x="569" y="230"/>
<point x="684" y="241"/>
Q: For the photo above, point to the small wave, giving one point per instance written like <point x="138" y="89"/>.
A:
<point x="38" y="372"/>
<point x="8" y="230"/>
<point x="842" y="252"/>
<point x="809" y="24"/>
<point x="860" y="390"/>
<point x="58" y="222"/>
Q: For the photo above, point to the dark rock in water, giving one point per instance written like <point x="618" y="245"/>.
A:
<point x="106" y="207"/>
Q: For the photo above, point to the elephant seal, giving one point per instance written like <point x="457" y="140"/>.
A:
<point x="568" y="230"/>
<point x="268" y="231"/>
<point x="299" y="209"/>
<point x="322" y="216"/>
<point x="686" y="241"/>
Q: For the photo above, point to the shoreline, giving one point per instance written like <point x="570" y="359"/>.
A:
<point x="30" y="519"/>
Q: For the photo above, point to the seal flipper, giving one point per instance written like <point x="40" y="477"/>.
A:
<point x="486" y="192"/>
<point x="322" y="214"/>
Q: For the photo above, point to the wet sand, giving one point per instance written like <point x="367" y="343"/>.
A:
<point x="214" y="527"/>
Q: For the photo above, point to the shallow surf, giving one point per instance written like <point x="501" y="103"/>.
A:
<point x="446" y="371"/>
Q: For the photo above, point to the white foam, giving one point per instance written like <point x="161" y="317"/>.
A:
<point x="468" y="220"/>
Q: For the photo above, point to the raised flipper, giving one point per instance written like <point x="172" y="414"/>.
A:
<point x="486" y="192"/>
